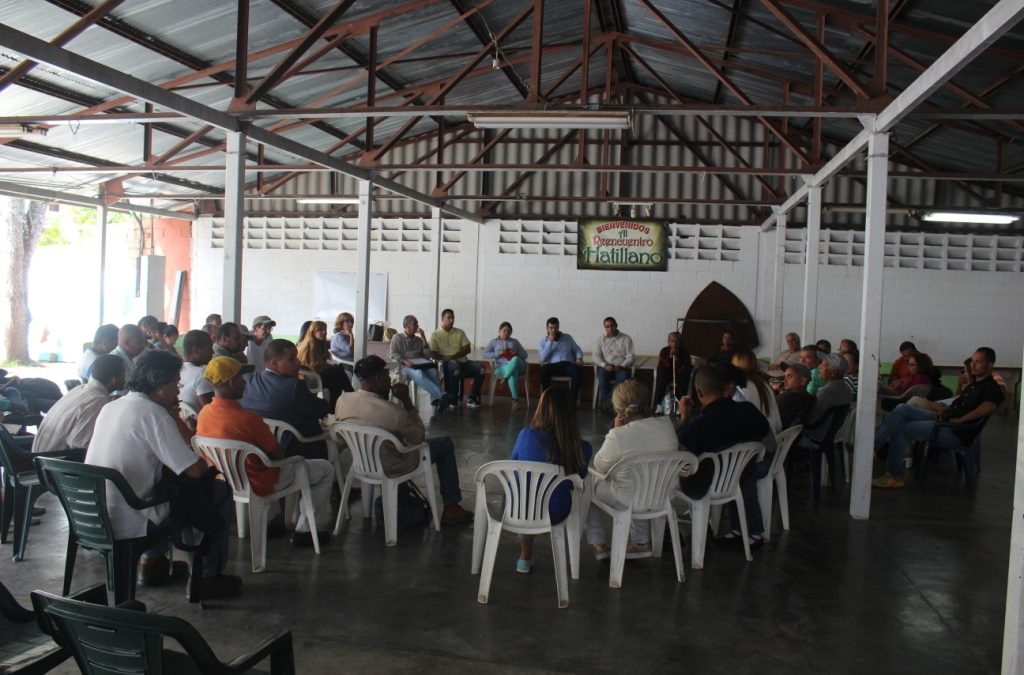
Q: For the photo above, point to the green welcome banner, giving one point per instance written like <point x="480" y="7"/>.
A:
<point x="639" y="245"/>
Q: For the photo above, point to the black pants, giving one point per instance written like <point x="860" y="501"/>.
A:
<point x="561" y="369"/>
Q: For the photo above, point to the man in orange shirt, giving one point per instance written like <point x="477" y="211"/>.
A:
<point x="225" y="418"/>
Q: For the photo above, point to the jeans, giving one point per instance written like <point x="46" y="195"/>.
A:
<point x="217" y="556"/>
<point x="455" y="373"/>
<point x="511" y="372"/>
<point x="607" y="379"/>
<point x="442" y="456"/>
<point x="561" y="369"/>
<point x="427" y="380"/>
<point x="754" y="472"/>
<point x="903" y="424"/>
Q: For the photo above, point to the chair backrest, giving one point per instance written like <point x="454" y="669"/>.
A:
<point x="82" y="491"/>
<point x="228" y="457"/>
<point x="7" y="443"/>
<point x="917" y="390"/>
<point x="783" y="442"/>
<point x="831" y="421"/>
<point x="364" y="444"/>
<point x="527" y="486"/>
<point x="655" y="475"/>
<point x="729" y="464"/>
<point x="187" y="414"/>
<point x="280" y="429"/>
<point x="115" y="640"/>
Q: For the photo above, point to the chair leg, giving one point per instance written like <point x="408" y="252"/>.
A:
<point x="343" y="506"/>
<point x="558" y="556"/>
<point x="764" y="499"/>
<point x="125" y="562"/>
<point x="307" y="507"/>
<point x="677" y="546"/>
<point x="258" y="534"/>
<point x="493" y="536"/>
<point x="699" y="532"/>
<point x="658" y="534"/>
<point x="389" y="499"/>
<point x="573" y="528"/>
<point x="743" y="526"/>
<point x="367" y="493"/>
<point x="431" y="495"/>
<point x="716" y="518"/>
<point x="69" y="565"/>
<point x="782" y="489"/>
<point x="23" y="520"/>
<point x="10" y="497"/>
<point x="620" y="538"/>
<point x="242" y="519"/>
<point x="479" y="529"/>
<point x="816" y="474"/>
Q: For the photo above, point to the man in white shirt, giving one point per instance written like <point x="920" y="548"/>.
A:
<point x="137" y="436"/>
<point x="194" y="389"/>
<point x="103" y="342"/>
<point x="262" y="329"/>
<point x="130" y="343"/>
<point x="614" y="358"/>
<point x="69" y="423"/>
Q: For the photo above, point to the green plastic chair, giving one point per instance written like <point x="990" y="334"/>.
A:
<point x="21" y="490"/>
<point x="122" y="640"/>
<point x="82" y="490"/>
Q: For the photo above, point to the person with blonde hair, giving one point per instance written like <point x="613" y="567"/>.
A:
<point x="634" y="431"/>
<point x="313" y="352"/>
<point x="343" y="343"/>
<point x="552" y="437"/>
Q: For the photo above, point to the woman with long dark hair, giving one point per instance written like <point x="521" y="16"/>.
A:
<point x="313" y="355"/>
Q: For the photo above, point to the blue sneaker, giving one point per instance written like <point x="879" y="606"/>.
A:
<point x="524" y="566"/>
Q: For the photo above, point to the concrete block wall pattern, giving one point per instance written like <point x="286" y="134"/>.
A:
<point x="487" y="278"/>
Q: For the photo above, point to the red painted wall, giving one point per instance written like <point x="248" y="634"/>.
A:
<point x="172" y="238"/>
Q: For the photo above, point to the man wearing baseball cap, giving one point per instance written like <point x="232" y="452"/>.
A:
<point x="370" y="406"/>
<point x="262" y="327"/>
<point x="225" y="418"/>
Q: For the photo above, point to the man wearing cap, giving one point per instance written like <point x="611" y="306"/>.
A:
<point x="276" y="392"/>
<point x="225" y="418"/>
<point x="262" y="327"/>
<point x="68" y="425"/>
<point x="194" y="389"/>
<point x="794" y="401"/>
<point x="228" y="341"/>
<point x="370" y="406"/>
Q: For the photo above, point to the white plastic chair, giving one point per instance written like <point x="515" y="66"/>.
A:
<point x="725" y="488"/>
<point x="844" y="439"/>
<point x="280" y="428"/>
<point x="776" y="479"/>
<point x="655" y="477"/>
<point x="528" y="487"/>
<point x="495" y="379"/>
<point x="187" y="414"/>
<point x="364" y="444"/>
<point x="228" y="457"/>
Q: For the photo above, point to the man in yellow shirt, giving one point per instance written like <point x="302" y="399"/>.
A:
<point x="449" y="345"/>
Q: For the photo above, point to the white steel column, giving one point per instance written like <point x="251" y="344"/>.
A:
<point x="809" y="328"/>
<point x="780" y="283"/>
<point x="437" y="235"/>
<point x="102" y="215"/>
<point x="363" y="268"/>
<point x="870" y="324"/>
<point x="234" y="215"/>
<point x="1013" y="631"/>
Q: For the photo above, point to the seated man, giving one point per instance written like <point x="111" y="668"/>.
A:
<point x="979" y="399"/>
<point x="560" y="356"/>
<point x="614" y="358"/>
<point x="834" y="392"/>
<point x="229" y="341"/>
<point x="722" y="423"/>
<point x="411" y="352"/>
<point x="225" y="418"/>
<point x="370" y="407"/>
<point x="262" y="334"/>
<point x="194" y="389"/>
<point x="794" y="401"/>
<point x="277" y="392"/>
<point x="69" y="423"/>
<point x="810" y="357"/>
<point x="103" y="342"/>
<point x="790" y="355"/>
<point x="449" y="345"/>
<point x="130" y="343"/>
<point x="137" y="436"/>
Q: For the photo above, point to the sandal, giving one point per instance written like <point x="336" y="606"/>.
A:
<point x="601" y="552"/>
<point x="524" y="566"/>
<point x="635" y="551"/>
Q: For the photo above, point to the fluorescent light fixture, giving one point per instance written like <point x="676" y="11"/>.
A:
<point x="328" y="200"/>
<point x="968" y="217"/>
<point x="21" y="130"/>
<point x="551" y="120"/>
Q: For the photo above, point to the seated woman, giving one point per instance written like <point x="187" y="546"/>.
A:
<point x="756" y="390"/>
<point x="919" y="368"/>
<point x="674" y="367"/>
<point x="725" y="350"/>
<point x="509" y="358"/>
<point x="553" y="437"/>
<point x="312" y="354"/>
<point x="343" y="343"/>
<point x="635" y="431"/>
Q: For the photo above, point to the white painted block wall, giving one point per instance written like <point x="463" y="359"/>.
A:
<point x="947" y="313"/>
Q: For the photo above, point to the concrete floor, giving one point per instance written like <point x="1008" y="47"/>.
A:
<point x="920" y="588"/>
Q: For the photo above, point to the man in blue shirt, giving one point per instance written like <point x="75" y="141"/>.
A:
<point x="560" y="356"/>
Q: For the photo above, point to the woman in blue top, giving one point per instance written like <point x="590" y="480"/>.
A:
<point x="509" y="358"/>
<point x="552" y="437"/>
<point x="343" y="343"/>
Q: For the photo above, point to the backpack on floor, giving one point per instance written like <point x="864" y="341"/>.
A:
<point x="413" y="507"/>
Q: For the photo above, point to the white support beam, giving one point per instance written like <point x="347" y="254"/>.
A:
<point x="102" y="217"/>
<point x="437" y="237"/>
<point x="363" y="267"/>
<point x="43" y="52"/>
<point x="809" y="325"/>
<point x="870" y="325"/>
<point x="1013" y="628"/>
<point x="234" y="217"/>
<point x="996" y="22"/>
<point x="779" y="285"/>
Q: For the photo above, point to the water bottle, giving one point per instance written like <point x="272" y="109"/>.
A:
<point x="668" y="404"/>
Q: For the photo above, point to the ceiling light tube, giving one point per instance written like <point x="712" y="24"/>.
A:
<point x="551" y="120"/>
<point x="975" y="218"/>
<point x="327" y="200"/>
